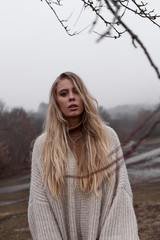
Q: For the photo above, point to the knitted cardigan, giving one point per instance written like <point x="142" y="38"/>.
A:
<point x="79" y="216"/>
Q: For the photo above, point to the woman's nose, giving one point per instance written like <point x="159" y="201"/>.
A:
<point x="71" y="96"/>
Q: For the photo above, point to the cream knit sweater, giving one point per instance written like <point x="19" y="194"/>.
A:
<point x="82" y="216"/>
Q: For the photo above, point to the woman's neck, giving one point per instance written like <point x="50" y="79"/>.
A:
<point x="75" y="135"/>
<point x="72" y="123"/>
<point x="75" y="126"/>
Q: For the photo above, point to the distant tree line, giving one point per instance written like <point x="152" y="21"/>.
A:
<point x="125" y="124"/>
<point x="18" y="130"/>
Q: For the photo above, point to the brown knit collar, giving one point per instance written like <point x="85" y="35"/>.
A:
<point x="76" y="126"/>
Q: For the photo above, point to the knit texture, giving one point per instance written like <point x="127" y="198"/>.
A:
<point x="80" y="216"/>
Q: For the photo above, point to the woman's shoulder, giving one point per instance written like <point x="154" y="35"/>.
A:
<point x="37" y="151"/>
<point x="111" y="133"/>
<point x="38" y="142"/>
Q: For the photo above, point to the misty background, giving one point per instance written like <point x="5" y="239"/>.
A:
<point x="35" y="49"/>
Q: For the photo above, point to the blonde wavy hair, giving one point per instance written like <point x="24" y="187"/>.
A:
<point x="55" y="148"/>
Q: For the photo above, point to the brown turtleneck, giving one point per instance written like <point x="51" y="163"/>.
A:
<point x="75" y="137"/>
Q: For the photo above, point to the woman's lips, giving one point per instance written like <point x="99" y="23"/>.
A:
<point x="73" y="107"/>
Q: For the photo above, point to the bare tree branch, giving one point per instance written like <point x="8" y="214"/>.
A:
<point x="157" y="110"/>
<point x="126" y="155"/>
<point x="118" y="9"/>
<point x="62" y="22"/>
<point x="134" y="37"/>
<point x="142" y="10"/>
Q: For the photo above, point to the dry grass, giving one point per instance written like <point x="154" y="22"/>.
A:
<point x="14" y="224"/>
<point x="146" y="193"/>
<point x="15" y="227"/>
<point x="13" y="196"/>
<point x="147" y="209"/>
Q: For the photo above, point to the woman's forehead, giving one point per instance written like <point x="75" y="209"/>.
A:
<point x="65" y="84"/>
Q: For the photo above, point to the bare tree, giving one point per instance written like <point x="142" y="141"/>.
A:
<point x="5" y="158"/>
<point x="17" y="133"/>
<point x="111" y="14"/>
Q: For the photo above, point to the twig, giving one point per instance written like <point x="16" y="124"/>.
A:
<point x="134" y="37"/>
<point x="126" y="155"/>
<point x="157" y="110"/>
<point x="141" y="12"/>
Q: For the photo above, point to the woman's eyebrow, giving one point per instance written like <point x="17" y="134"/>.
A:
<point x="63" y="89"/>
<point x="66" y="89"/>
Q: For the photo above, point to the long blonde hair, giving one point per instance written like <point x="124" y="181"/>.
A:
<point x="55" y="148"/>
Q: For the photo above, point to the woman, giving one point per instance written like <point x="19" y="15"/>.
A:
<point x="79" y="183"/>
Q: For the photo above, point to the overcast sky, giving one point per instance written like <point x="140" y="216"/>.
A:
<point x="35" y="49"/>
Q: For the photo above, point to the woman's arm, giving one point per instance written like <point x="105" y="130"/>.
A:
<point x="119" y="221"/>
<point x="42" y="222"/>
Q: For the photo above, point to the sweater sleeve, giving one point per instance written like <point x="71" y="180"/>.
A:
<point x="119" y="222"/>
<point x="42" y="222"/>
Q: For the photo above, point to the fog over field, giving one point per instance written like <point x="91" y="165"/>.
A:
<point x="35" y="49"/>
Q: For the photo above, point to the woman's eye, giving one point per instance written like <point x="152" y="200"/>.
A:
<point x="63" y="94"/>
<point x="76" y="92"/>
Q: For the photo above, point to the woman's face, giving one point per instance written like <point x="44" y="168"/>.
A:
<point x="69" y="101"/>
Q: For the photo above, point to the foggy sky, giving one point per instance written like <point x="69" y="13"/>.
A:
<point x="35" y="49"/>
